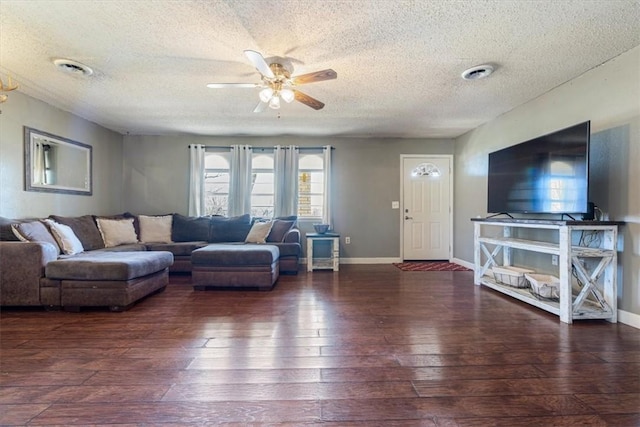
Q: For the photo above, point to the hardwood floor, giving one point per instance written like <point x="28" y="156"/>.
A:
<point x="368" y="346"/>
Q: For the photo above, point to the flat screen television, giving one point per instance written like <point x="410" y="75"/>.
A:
<point x="545" y="175"/>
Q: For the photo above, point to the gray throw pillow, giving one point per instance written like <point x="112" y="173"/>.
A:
<point x="279" y="229"/>
<point x="34" y="231"/>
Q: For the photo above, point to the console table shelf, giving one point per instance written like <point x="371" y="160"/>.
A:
<point x="595" y="299"/>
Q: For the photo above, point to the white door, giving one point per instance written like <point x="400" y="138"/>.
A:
<point x="426" y="209"/>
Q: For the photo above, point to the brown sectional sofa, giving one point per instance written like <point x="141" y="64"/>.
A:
<point x="35" y="273"/>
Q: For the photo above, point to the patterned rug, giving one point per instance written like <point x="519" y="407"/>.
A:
<point x="429" y="266"/>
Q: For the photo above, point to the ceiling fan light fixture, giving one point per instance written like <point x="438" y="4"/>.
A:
<point x="287" y="95"/>
<point x="274" y="103"/>
<point x="266" y="94"/>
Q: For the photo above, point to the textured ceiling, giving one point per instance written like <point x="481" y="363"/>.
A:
<point x="398" y="62"/>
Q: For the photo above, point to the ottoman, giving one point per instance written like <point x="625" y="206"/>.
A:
<point x="235" y="266"/>
<point x="112" y="279"/>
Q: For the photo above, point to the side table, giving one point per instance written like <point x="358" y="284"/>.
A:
<point x="332" y="263"/>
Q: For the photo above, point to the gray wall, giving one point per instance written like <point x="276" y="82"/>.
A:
<point x="609" y="96"/>
<point x="21" y="110"/>
<point x="366" y="179"/>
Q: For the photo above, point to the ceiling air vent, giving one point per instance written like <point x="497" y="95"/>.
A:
<point x="72" y="67"/>
<point x="478" y="72"/>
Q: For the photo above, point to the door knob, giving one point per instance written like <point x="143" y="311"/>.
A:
<point x="408" y="217"/>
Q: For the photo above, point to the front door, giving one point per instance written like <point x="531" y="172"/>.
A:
<point x="427" y="215"/>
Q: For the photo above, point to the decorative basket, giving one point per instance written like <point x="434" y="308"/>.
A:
<point x="544" y="286"/>
<point x="511" y="276"/>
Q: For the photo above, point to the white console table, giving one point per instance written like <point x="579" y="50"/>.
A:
<point x="596" y="299"/>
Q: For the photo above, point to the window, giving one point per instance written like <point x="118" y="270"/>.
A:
<point x="262" y="190"/>
<point x="310" y="186"/>
<point x="216" y="183"/>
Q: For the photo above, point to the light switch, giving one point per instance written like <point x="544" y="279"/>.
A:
<point x="395" y="205"/>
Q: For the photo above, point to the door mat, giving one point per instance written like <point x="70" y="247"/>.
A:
<point x="429" y="266"/>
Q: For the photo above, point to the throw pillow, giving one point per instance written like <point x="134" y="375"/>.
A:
<point x="155" y="229"/>
<point x="117" y="232"/>
<point x="190" y="229"/>
<point x="259" y="232"/>
<point x="34" y="231"/>
<point x="279" y="230"/>
<point x="234" y="229"/>
<point x="66" y="238"/>
<point x="85" y="228"/>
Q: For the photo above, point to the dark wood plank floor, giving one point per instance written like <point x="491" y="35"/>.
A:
<point x="368" y="346"/>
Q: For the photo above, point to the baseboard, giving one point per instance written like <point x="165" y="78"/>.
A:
<point x="362" y="260"/>
<point x="628" y="318"/>
<point x="369" y="260"/>
<point x="463" y="263"/>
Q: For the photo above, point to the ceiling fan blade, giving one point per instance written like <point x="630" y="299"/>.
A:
<point x="260" y="107"/>
<point x="228" y="85"/>
<point x="258" y="61"/>
<point x="307" y="100"/>
<point x="317" y="76"/>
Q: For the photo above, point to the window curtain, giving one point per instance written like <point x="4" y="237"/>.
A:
<point x="39" y="167"/>
<point x="240" y="180"/>
<point x="326" y="203"/>
<point x="285" y="180"/>
<point x="196" y="180"/>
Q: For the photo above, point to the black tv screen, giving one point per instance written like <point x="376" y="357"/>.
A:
<point x="548" y="174"/>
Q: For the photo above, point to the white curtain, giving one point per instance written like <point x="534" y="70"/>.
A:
<point x="196" y="180"/>
<point x="326" y="204"/>
<point x="286" y="180"/>
<point x="39" y="167"/>
<point x="240" y="180"/>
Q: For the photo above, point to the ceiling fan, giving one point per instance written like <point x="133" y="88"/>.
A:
<point x="277" y="83"/>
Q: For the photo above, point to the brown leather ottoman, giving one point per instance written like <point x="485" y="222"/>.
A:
<point x="235" y="266"/>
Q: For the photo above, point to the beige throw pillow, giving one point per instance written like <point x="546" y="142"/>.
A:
<point x="259" y="232"/>
<point x="155" y="229"/>
<point x="66" y="238"/>
<point x="117" y="231"/>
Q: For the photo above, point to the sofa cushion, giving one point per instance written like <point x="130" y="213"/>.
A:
<point x="235" y="255"/>
<point x="117" y="231"/>
<point x="85" y="229"/>
<point x="177" y="248"/>
<point x="130" y="247"/>
<point x="259" y="232"/>
<point x="6" y="232"/>
<point x="288" y="249"/>
<point x="34" y="231"/>
<point x="155" y="229"/>
<point x="98" y="266"/>
<point x="233" y="229"/>
<point x="279" y="230"/>
<point x="66" y="238"/>
<point x="190" y="229"/>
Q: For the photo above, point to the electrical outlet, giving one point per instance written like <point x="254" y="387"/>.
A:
<point x="347" y="240"/>
<point x="554" y="259"/>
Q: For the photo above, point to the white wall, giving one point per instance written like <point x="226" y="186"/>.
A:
<point x="21" y="110"/>
<point x="609" y="96"/>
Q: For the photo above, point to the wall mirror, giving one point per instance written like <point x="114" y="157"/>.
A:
<point x="55" y="164"/>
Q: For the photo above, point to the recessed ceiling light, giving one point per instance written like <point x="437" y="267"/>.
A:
<point x="72" y="67"/>
<point x="478" y="72"/>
